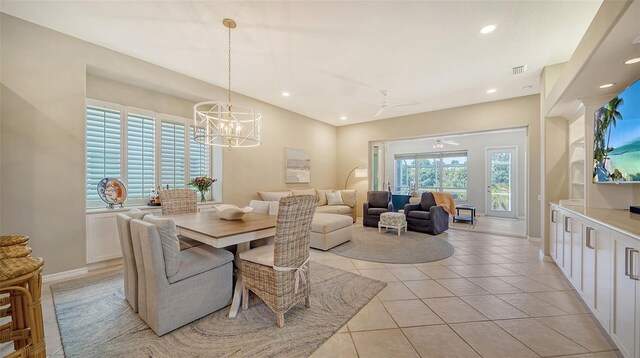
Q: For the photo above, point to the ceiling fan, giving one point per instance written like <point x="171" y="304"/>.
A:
<point x="439" y="143"/>
<point x="386" y="105"/>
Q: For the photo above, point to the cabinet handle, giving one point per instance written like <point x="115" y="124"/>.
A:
<point x="626" y="260"/>
<point x="553" y="216"/>
<point x="631" y="268"/>
<point x="588" y="240"/>
<point x="566" y="224"/>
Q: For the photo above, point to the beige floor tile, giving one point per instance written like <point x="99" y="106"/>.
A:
<point x="438" y="341"/>
<point x="556" y="281"/>
<point x="454" y="310"/>
<point x="428" y="289"/>
<point x="496" y="270"/>
<point x="532" y="305"/>
<point x="493" y="307"/>
<point x="582" y="329"/>
<point x="395" y="291"/>
<point x="383" y="344"/>
<point x="390" y="266"/>
<point x="462" y="287"/>
<point x="497" y="258"/>
<point x="451" y="261"/>
<point x="489" y="340"/>
<point x="382" y="274"/>
<point x="339" y="345"/>
<point x="343" y="264"/>
<point x="610" y="354"/>
<point x="367" y="265"/>
<point x="565" y="300"/>
<point x="423" y="264"/>
<point x="372" y="316"/>
<point x="437" y="272"/>
<point x="468" y="271"/>
<point x="409" y="313"/>
<point x="494" y="285"/>
<point x="540" y="338"/>
<point x="526" y="284"/>
<point x="408" y="274"/>
<point x="472" y="259"/>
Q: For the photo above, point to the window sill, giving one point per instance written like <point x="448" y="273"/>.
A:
<point x="102" y="210"/>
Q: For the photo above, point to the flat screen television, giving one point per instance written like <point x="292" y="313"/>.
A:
<point x="616" y="139"/>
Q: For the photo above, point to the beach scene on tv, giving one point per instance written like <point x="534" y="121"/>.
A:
<point x="616" y="147"/>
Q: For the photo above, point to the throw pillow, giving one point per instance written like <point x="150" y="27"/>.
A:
<point x="322" y="196"/>
<point x="349" y="197"/>
<point x="334" y="198"/>
<point x="273" y="207"/>
<point x="259" y="206"/>
<point x="169" y="241"/>
<point x="136" y="214"/>
<point x="273" y="195"/>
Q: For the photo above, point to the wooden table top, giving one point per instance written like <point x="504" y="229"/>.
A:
<point x="208" y="223"/>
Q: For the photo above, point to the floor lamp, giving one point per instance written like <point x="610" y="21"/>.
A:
<point x="359" y="173"/>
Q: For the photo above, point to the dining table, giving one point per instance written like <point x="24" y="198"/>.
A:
<point x="210" y="229"/>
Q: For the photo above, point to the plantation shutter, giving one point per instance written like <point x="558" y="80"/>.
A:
<point x="103" y="148"/>
<point x="199" y="155"/>
<point x="173" y="155"/>
<point x="140" y="155"/>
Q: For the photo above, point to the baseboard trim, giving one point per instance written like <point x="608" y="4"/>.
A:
<point x="534" y="239"/>
<point x="58" y="276"/>
<point x="544" y="257"/>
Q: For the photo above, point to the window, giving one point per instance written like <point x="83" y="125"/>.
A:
<point x="173" y="156"/>
<point x="103" y="148"/>
<point x="444" y="171"/>
<point x="143" y="149"/>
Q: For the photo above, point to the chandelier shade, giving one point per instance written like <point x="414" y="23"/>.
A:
<point x="223" y="123"/>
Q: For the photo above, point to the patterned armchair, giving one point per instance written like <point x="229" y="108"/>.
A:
<point x="378" y="202"/>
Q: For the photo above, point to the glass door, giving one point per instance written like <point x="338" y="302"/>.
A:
<point x="501" y="182"/>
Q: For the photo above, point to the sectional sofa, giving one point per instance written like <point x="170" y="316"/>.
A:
<point x="325" y="205"/>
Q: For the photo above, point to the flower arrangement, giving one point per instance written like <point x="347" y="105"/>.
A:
<point x="202" y="184"/>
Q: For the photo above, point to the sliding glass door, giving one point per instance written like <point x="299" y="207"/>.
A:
<point x="500" y="182"/>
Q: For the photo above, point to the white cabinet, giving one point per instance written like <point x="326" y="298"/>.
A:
<point x="576" y="252"/>
<point x="553" y="241"/>
<point x="625" y="324"/>
<point x="596" y="269"/>
<point x="566" y="244"/>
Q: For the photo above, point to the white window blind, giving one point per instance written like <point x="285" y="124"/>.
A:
<point x="103" y="148"/>
<point x="198" y="157"/>
<point x="141" y="149"/>
<point x="172" y="155"/>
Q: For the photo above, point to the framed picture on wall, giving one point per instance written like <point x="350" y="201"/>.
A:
<point x="298" y="166"/>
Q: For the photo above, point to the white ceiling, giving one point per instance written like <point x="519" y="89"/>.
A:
<point x="334" y="57"/>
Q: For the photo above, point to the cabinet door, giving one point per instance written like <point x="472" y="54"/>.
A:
<point x="576" y="253"/>
<point x="589" y="264"/>
<point x="623" y="326"/>
<point x="596" y="270"/>
<point x="566" y="243"/>
<point x="553" y="223"/>
<point x="560" y="238"/>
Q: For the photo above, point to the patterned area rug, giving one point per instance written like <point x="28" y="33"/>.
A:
<point x="409" y="248"/>
<point x="96" y="321"/>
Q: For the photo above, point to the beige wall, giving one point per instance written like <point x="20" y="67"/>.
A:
<point x="44" y="74"/>
<point x="353" y="140"/>
<point x="556" y="164"/>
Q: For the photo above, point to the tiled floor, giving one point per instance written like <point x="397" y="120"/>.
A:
<point x="492" y="298"/>
<point x="494" y="225"/>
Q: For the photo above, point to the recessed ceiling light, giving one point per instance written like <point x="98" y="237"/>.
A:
<point x="487" y="29"/>
<point x="343" y="118"/>
<point x="632" y="61"/>
<point x="493" y="90"/>
<point x="607" y="85"/>
<point x="286" y="94"/>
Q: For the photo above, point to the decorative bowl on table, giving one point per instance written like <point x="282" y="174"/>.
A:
<point x="231" y="212"/>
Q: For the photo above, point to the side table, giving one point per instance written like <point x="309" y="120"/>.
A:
<point x="465" y="218"/>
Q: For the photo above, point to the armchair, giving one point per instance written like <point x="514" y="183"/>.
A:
<point x="378" y="202"/>
<point x="427" y="216"/>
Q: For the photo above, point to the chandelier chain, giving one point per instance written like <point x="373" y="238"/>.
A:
<point x="229" y="84"/>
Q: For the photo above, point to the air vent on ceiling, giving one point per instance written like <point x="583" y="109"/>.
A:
<point x="518" y="70"/>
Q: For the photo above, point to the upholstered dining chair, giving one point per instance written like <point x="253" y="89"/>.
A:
<point x="279" y="273"/>
<point x="378" y="202"/>
<point x="180" y="201"/>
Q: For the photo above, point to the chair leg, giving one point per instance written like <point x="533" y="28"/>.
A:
<point x="307" y="302"/>
<point x="280" y="319"/>
<point x="245" y="298"/>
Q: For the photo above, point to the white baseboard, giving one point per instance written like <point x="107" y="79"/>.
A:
<point x="64" y="275"/>
<point x="544" y="257"/>
<point x="103" y="264"/>
<point x="534" y="239"/>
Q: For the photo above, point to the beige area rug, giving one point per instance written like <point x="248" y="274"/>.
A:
<point x="96" y="321"/>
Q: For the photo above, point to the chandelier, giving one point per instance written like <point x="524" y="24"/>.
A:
<point x="225" y="124"/>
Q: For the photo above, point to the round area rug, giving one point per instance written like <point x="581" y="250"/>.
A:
<point x="409" y="248"/>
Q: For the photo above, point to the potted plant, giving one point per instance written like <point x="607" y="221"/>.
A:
<point x="203" y="184"/>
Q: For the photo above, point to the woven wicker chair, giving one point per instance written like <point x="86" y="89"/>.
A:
<point x="279" y="273"/>
<point x="178" y="201"/>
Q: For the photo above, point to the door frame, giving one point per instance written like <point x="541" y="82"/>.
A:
<point x="514" y="186"/>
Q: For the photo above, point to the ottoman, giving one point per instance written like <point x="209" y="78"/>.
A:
<point x="330" y="230"/>
<point x="394" y="221"/>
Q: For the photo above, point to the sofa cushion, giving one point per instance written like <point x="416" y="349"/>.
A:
<point x="334" y="198"/>
<point x="427" y="201"/>
<point x="199" y="259"/>
<point x="335" y="209"/>
<point x="262" y="255"/>
<point x="378" y="199"/>
<point x="424" y="215"/>
<point x="273" y="195"/>
<point x="303" y="192"/>
<point x="326" y="223"/>
<point x="322" y="196"/>
<point x="260" y="206"/>
<point x="273" y="207"/>
<point x="376" y="211"/>
<point x="348" y="197"/>
<point x="169" y="241"/>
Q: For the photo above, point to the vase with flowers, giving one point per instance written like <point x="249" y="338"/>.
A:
<point x="203" y="184"/>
